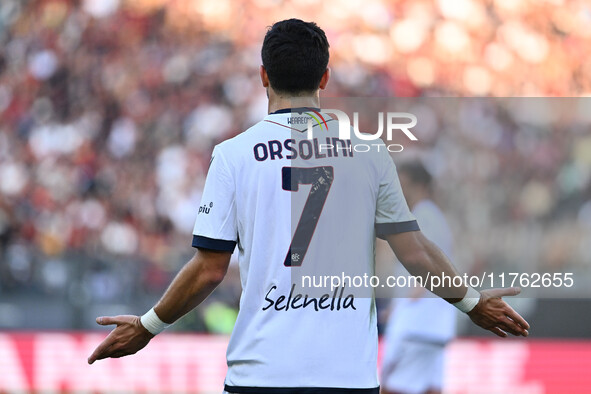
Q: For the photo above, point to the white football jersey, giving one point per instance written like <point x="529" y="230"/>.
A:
<point x="295" y="205"/>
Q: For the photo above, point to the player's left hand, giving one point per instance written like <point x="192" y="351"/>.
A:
<point x="495" y="315"/>
<point x="127" y="338"/>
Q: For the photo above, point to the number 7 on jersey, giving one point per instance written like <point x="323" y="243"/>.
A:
<point x="321" y="179"/>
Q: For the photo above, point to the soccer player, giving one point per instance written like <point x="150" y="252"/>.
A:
<point x="419" y="326"/>
<point x="285" y="341"/>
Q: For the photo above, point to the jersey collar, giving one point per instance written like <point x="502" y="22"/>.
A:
<point x="293" y="110"/>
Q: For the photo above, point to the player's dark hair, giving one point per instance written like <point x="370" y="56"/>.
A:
<point x="295" y="55"/>
<point x="417" y="172"/>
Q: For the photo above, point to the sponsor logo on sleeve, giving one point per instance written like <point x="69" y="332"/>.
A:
<point x="205" y="208"/>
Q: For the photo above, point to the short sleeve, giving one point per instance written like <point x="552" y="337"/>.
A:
<point x="215" y="226"/>
<point x="392" y="213"/>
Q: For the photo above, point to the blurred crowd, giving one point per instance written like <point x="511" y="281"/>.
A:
<point x="109" y="110"/>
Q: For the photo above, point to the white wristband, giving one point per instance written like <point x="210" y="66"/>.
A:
<point x="152" y="322"/>
<point x="469" y="301"/>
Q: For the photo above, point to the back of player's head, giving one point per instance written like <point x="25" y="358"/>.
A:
<point x="295" y="56"/>
<point x="416" y="173"/>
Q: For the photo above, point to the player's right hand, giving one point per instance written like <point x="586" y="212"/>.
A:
<point x="127" y="338"/>
<point x="495" y="315"/>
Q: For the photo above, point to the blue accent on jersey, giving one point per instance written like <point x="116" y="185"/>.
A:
<point x="383" y="229"/>
<point x="221" y="245"/>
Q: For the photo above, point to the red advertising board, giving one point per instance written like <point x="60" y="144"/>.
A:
<point x="518" y="366"/>
<point x="56" y="362"/>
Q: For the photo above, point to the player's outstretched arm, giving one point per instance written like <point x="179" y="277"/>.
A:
<point x="493" y="314"/>
<point x="127" y="338"/>
<point x="423" y="258"/>
<point x="196" y="280"/>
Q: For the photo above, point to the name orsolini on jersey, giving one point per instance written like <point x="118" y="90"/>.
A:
<point x="304" y="149"/>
